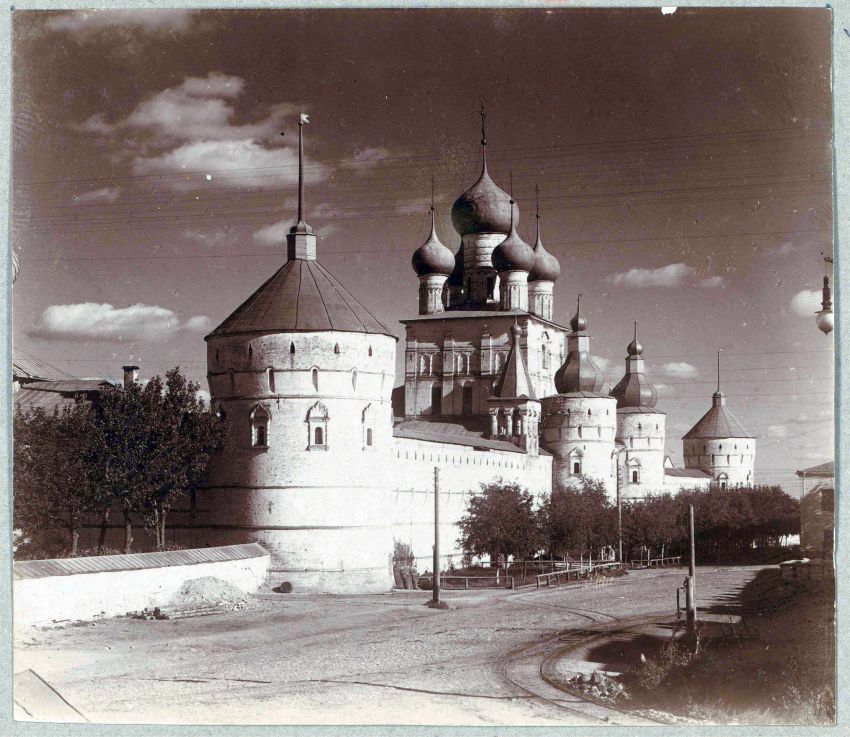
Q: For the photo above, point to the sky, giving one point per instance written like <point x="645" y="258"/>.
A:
<point x="684" y="162"/>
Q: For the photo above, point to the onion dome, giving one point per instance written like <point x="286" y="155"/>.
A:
<point x="513" y="253"/>
<point x="578" y="322"/>
<point x="578" y="374"/>
<point x="546" y="266"/>
<point x="432" y="257"/>
<point x="635" y="389"/>
<point x="456" y="277"/>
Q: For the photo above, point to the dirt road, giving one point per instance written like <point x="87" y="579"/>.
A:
<point x="309" y="659"/>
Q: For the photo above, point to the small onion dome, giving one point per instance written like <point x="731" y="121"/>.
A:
<point x="483" y="208"/>
<point x="513" y="254"/>
<point x="634" y="348"/>
<point x="432" y="257"/>
<point x="578" y="322"/>
<point x="456" y="277"/>
<point x="546" y="266"/>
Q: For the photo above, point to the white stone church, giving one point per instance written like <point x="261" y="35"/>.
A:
<point x="324" y="473"/>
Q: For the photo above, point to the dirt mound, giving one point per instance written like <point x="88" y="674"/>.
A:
<point x="209" y="591"/>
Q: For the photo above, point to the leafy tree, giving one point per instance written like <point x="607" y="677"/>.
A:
<point x="53" y="483"/>
<point x="156" y="441"/>
<point x="578" y="520"/>
<point x="500" y="521"/>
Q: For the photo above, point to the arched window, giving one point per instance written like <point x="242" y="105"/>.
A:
<point x="317" y="427"/>
<point x="271" y="380"/>
<point x="216" y="355"/>
<point x="640" y="427"/>
<point x="292" y="347"/>
<point x="369" y="419"/>
<point x="491" y="286"/>
<point x="436" y="399"/>
<point x="250" y="353"/>
<point x="336" y="348"/>
<point x="589" y="412"/>
<point x="314" y="375"/>
<point x="260" y="417"/>
<point x="354" y="379"/>
<point x="635" y="476"/>
<point x="370" y="350"/>
<point x="544" y="356"/>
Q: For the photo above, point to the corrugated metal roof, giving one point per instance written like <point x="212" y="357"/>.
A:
<point x="25" y="366"/>
<point x="134" y="562"/>
<point x="68" y="387"/>
<point x="301" y="296"/>
<point x="641" y="410"/>
<point x="26" y="399"/>
<point x="824" y="470"/>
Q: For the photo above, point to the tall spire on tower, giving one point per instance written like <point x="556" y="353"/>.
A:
<point x="483" y="137"/>
<point x="301" y="226"/>
<point x="301" y="242"/>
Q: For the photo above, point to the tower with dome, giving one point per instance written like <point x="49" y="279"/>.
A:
<point x="324" y="470"/>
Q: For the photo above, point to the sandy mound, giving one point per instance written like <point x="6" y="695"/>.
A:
<point x="209" y="591"/>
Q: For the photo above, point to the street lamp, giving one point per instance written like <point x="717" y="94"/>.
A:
<point x="825" y="318"/>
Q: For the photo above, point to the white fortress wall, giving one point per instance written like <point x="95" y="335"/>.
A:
<point x="462" y="471"/>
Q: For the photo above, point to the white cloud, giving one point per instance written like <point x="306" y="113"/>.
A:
<point x="209" y="238"/>
<point x="86" y="23"/>
<point x="105" y="194"/>
<point x="663" y="388"/>
<point x="711" y="282"/>
<point x="367" y="158"/>
<point x="191" y="129"/>
<point x="785" y="249"/>
<point x="198" y="323"/>
<point x="806" y="302"/>
<point x="102" y="321"/>
<point x="275" y="233"/>
<point x="602" y="363"/>
<point x="671" y="275"/>
<point x="679" y="368"/>
<point x="777" y="431"/>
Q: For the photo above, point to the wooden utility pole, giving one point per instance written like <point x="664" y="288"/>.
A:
<point x="690" y="593"/>
<point x="435" y="602"/>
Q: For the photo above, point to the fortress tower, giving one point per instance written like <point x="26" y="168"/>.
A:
<point x="720" y="446"/>
<point x="303" y="373"/>
<point x="640" y="429"/>
<point x="579" y="422"/>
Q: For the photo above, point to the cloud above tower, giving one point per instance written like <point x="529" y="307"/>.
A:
<point x="191" y="133"/>
<point x="671" y="275"/>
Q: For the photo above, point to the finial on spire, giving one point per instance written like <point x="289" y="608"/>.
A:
<point x="578" y="302"/>
<point x="512" y="202"/>
<point x="433" y="224"/>
<point x="483" y="120"/>
<point x="537" y="201"/>
<point x="635" y="330"/>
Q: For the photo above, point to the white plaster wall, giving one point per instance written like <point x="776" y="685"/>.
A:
<point x="462" y="471"/>
<point x="734" y="457"/>
<point x="642" y="434"/>
<point x="41" y="601"/>
<point x="322" y="512"/>
<point x="568" y="426"/>
<point x="673" y="484"/>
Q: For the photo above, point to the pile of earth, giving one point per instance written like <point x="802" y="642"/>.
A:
<point x="208" y="592"/>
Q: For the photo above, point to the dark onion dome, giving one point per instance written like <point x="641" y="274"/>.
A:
<point x="578" y="322"/>
<point x="483" y="208"/>
<point x="456" y="277"/>
<point x="513" y="253"/>
<point x="634" y="348"/>
<point x="432" y="257"/>
<point x="546" y="266"/>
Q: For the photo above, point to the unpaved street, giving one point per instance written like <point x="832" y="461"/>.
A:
<point x="308" y="659"/>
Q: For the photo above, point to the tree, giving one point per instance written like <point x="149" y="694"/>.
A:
<point x="500" y="520"/>
<point x="578" y="520"/>
<point x="53" y="484"/>
<point x="155" y="444"/>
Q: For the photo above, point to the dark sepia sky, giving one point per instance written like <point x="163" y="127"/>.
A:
<point x="684" y="162"/>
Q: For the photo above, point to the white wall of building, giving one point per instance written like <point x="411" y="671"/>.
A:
<point x="82" y="596"/>
<point x="729" y="460"/>
<point x="642" y="437"/>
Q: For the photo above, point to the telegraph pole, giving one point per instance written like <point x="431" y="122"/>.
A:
<point x="690" y="593"/>
<point x="435" y="602"/>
